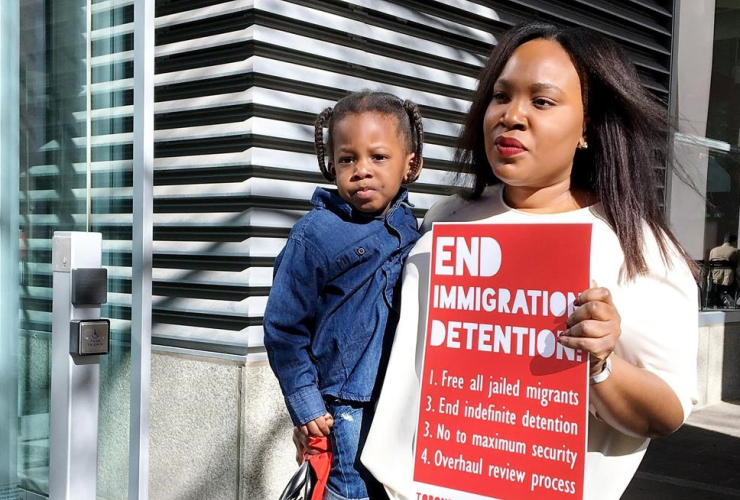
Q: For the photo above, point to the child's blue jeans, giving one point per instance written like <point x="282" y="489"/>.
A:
<point x="349" y="479"/>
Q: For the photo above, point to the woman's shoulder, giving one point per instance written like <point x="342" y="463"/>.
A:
<point x="664" y="259"/>
<point x="441" y="210"/>
<point x="460" y="208"/>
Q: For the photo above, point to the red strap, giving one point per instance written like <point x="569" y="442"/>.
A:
<point x="321" y="464"/>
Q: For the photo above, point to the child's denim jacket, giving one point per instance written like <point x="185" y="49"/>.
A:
<point x="331" y="302"/>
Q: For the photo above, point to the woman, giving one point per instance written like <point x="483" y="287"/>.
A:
<point x="561" y="130"/>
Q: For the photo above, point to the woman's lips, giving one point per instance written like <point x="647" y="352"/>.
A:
<point x="507" y="151"/>
<point x="507" y="146"/>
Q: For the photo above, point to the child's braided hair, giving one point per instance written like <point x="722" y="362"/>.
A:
<point x="406" y="113"/>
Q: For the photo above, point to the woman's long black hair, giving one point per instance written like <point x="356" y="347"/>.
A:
<point x="626" y="131"/>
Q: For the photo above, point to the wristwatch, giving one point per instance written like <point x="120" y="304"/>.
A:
<point x="604" y="374"/>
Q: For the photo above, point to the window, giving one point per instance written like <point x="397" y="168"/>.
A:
<point x="708" y="113"/>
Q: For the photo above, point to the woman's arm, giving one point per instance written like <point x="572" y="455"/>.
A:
<point x="636" y="402"/>
<point x="632" y="400"/>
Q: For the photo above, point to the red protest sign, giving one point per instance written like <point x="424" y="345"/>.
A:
<point x="504" y="407"/>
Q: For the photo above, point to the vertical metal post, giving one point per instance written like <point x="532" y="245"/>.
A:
<point x="9" y="236"/>
<point x="141" y="300"/>
<point x="75" y="381"/>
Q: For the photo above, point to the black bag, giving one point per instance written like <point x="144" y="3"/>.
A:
<point x="300" y="486"/>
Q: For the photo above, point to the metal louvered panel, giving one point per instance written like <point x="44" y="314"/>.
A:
<point x="314" y="48"/>
<point x="238" y="85"/>
<point x="236" y="106"/>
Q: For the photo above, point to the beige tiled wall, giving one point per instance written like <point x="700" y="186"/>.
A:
<point x="718" y="363"/>
<point x="219" y="431"/>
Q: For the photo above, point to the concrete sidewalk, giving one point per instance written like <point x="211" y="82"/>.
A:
<point x="701" y="461"/>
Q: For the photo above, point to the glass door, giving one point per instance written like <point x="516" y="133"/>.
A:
<point x="51" y="96"/>
<point x="66" y="130"/>
<point x="9" y="250"/>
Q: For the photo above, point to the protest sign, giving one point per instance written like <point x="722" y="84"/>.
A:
<point x="503" y="406"/>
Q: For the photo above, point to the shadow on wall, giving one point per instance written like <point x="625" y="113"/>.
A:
<point x="731" y="366"/>
<point x="262" y="473"/>
<point x="262" y="476"/>
<point x="268" y="455"/>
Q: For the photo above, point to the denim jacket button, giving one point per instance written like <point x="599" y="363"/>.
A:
<point x="360" y="251"/>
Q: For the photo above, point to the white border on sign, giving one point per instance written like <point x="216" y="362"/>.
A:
<point x="426" y="489"/>
<point x="441" y="493"/>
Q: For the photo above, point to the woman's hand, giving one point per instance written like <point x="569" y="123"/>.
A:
<point x="633" y="400"/>
<point x="594" y="327"/>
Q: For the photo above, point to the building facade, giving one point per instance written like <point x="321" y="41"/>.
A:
<point x="236" y="86"/>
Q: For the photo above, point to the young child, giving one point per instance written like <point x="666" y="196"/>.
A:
<point x="332" y="309"/>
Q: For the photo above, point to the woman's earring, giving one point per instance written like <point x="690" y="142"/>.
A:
<point x="582" y="144"/>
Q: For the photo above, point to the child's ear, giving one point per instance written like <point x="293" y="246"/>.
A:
<point x="330" y="169"/>
<point x="412" y="169"/>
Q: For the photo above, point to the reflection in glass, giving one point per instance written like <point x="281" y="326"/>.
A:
<point x="52" y="198"/>
<point x="54" y="188"/>
<point x="112" y="181"/>
<point x="719" y="281"/>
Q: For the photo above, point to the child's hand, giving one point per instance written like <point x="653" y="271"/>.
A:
<point x="301" y="437"/>
<point x="300" y="441"/>
<point x="320" y="426"/>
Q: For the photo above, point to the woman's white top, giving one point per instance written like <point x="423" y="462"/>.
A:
<point x="659" y="312"/>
